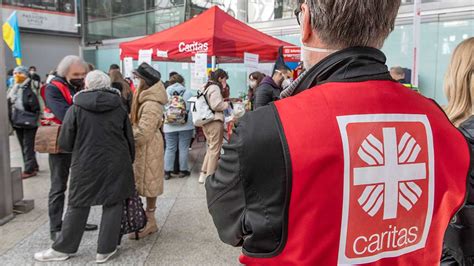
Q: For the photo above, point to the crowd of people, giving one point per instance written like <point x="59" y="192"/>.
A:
<point x="117" y="137"/>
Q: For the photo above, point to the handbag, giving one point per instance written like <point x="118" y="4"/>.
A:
<point x="133" y="217"/>
<point x="24" y="119"/>
<point x="46" y="140"/>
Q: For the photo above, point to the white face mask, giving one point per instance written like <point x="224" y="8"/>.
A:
<point x="317" y="50"/>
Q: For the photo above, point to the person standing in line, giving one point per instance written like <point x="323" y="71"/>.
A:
<point x="10" y="80"/>
<point x="167" y="83"/>
<point x="23" y="101"/>
<point x="214" y="131"/>
<point x="98" y="133"/>
<point x="459" y="85"/>
<point x="255" y="79"/>
<point x="147" y="120"/>
<point x="303" y="180"/>
<point x="58" y="97"/>
<point x="178" y="135"/>
<point x="119" y="83"/>
<point x="270" y="88"/>
<point x="113" y="68"/>
<point x="34" y="75"/>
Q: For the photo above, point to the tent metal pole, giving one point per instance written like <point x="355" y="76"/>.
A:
<point x="213" y="63"/>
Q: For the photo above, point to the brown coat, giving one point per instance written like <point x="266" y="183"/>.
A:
<point x="148" y="166"/>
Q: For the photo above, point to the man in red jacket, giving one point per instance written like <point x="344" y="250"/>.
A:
<point x="352" y="168"/>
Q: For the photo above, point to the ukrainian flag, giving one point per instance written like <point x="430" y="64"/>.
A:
<point x="11" y="35"/>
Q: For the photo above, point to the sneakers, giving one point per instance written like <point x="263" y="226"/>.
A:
<point x="202" y="178"/>
<point x="51" y="255"/>
<point x="102" y="258"/>
<point x="184" y="174"/>
<point x="167" y="175"/>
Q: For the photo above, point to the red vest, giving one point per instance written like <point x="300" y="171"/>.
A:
<point x="377" y="173"/>
<point x="48" y="117"/>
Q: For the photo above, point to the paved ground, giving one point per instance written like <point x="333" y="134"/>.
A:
<point x="186" y="237"/>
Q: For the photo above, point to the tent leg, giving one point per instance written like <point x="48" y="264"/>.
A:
<point x="213" y="62"/>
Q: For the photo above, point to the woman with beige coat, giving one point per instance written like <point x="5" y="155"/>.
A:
<point x="147" y="119"/>
<point x="214" y="131"/>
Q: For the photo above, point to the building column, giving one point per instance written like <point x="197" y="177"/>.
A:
<point x="6" y="197"/>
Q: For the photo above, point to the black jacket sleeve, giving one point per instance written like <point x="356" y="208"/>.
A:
<point x="467" y="129"/>
<point x="263" y="95"/>
<point x="129" y="135"/>
<point x="67" y="136"/>
<point x="56" y="102"/>
<point x="249" y="193"/>
<point x="225" y="193"/>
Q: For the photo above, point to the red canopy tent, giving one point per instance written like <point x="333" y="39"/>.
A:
<point x="214" y="32"/>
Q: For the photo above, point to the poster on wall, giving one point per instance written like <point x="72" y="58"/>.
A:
<point x="128" y="67"/>
<point x="144" y="56"/>
<point x="200" y="65"/>
<point x="43" y="15"/>
<point x="196" y="81"/>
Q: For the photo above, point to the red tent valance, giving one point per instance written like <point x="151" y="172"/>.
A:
<point x="213" y="32"/>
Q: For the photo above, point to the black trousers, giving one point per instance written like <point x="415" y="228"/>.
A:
<point x="26" y="137"/>
<point x="74" y="224"/>
<point x="59" y="165"/>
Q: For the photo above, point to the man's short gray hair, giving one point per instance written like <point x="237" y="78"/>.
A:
<point x="348" y="23"/>
<point x="97" y="80"/>
<point x="67" y="62"/>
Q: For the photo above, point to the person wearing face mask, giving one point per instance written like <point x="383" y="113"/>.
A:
<point x="255" y="79"/>
<point x="24" y="103"/>
<point x="326" y="176"/>
<point x="270" y="88"/>
<point x="34" y="75"/>
<point x="58" y="95"/>
<point x="214" y="131"/>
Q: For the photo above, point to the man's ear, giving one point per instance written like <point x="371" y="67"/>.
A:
<point x="307" y="29"/>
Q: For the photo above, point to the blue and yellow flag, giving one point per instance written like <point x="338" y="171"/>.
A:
<point x="11" y="35"/>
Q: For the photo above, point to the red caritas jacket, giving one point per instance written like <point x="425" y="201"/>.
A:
<point x="356" y="169"/>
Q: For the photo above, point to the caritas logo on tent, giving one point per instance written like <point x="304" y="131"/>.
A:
<point x="388" y="186"/>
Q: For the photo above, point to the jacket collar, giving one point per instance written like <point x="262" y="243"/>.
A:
<point x="354" y="64"/>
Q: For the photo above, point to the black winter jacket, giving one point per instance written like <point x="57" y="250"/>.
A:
<point x="459" y="238"/>
<point x="266" y="93"/>
<point x="97" y="131"/>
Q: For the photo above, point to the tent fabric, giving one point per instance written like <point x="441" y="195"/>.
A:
<point x="213" y="32"/>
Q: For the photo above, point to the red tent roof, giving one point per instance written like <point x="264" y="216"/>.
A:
<point x="213" y="32"/>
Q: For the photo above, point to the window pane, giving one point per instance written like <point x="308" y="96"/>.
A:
<point x="99" y="30"/>
<point x="98" y="9"/>
<point x="266" y="10"/>
<point x="152" y="4"/>
<point x="129" y="26"/>
<point x="164" y="18"/>
<point x="121" y="7"/>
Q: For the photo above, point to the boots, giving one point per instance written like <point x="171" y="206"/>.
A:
<point x="150" y="228"/>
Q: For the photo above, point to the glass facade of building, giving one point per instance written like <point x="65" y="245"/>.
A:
<point x="446" y="24"/>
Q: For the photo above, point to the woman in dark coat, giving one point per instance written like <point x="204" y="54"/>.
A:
<point x="97" y="131"/>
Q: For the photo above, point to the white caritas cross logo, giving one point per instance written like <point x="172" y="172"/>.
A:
<point x="391" y="172"/>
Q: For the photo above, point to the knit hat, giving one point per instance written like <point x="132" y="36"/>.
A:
<point x="147" y="73"/>
<point x="21" y="69"/>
